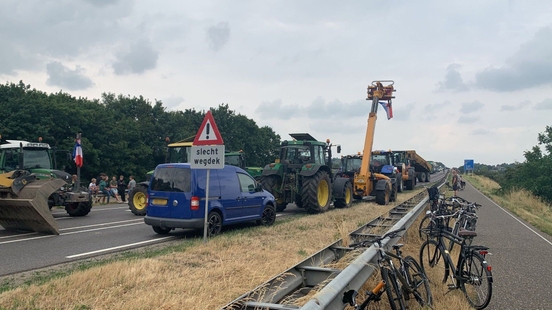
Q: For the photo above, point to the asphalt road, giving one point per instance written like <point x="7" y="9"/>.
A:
<point x="520" y="257"/>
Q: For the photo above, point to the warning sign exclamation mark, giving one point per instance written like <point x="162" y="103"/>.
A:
<point x="207" y="136"/>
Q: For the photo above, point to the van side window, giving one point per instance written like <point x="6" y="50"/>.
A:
<point x="162" y="180"/>
<point x="182" y="180"/>
<point x="247" y="183"/>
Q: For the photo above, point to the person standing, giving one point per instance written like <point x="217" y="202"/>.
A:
<point x="455" y="181"/>
<point x="121" y="187"/>
<point x="131" y="185"/>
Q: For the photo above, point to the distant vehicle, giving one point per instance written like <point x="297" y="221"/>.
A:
<point x="176" y="199"/>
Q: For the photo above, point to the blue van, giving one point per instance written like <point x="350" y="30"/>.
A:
<point x="176" y="199"/>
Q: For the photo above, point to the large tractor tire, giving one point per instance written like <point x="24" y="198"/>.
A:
<point x="383" y="196"/>
<point x="400" y="184"/>
<point x="316" y="192"/>
<point x="347" y="199"/>
<point x="428" y="176"/>
<point x="409" y="184"/>
<point x="270" y="184"/>
<point x="394" y="192"/>
<point x="137" y="200"/>
<point x="78" y="208"/>
<point x="422" y="177"/>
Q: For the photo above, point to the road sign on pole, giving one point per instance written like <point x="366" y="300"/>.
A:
<point x="207" y="153"/>
<point x="208" y="133"/>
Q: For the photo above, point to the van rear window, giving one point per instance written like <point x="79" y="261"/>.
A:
<point x="170" y="179"/>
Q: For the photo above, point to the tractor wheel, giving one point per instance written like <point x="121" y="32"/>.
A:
<point x="347" y="199"/>
<point x="394" y="192"/>
<point x="382" y="196"/>
<point x="78" y="208"/>
<point x="422" y="177"/>
<point x="315" y="192"/>
<point x="427" y="176"/>
<point x="270" y="184"/>
<point x="137" y="202"/>
<point x="409" y="184"/>
<point x="399" y="183"/>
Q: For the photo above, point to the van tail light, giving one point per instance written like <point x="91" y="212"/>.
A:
<point x="194" y="204"/>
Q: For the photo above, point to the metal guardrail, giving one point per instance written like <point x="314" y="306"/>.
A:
<point x="279" y="292"/>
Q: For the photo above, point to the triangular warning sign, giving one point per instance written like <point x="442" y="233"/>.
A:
<point x="208" y="133"/>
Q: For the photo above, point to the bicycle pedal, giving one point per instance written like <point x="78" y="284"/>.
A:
<point x="451" y="287"/>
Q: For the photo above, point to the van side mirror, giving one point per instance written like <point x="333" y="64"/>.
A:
<point x="259" y="187"/>
<point x="251" y="188"/>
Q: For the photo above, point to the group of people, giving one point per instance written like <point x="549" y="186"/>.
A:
<point x="111" y="188"/>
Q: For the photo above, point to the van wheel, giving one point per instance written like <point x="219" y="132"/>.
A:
<point x="161" y="230"/>
<point x="269" y="216"/>
<point x="215" y="223"/>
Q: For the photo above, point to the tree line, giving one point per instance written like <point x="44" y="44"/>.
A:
<point x="121" y="134"/>
<point x="534" y="174"/>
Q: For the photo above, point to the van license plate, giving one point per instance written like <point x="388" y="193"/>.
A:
<point x="157" y="201"/>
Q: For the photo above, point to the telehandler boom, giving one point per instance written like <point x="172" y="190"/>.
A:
<point x="365" y="183"/>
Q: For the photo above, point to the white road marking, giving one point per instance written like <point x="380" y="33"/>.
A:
<point x="513" y="216"/>
<point x="102" y="224"/>
<point x="117" y="247"/>
<point x="76" y="232"/>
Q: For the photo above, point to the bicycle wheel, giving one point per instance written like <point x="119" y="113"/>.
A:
<point x="396" y="300"/>
<point x="433" y="262"/>
<point x="424" y="225"/>
<point x="419" y="283"/>
<point x="476" y="280"/>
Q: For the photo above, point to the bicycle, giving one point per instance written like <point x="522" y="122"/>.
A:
<point x="409" y="274"/>
<point x="458" y="208"/>
<point x="471" y="274"/>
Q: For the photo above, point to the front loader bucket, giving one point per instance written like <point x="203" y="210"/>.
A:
<point x="29" y="209"/>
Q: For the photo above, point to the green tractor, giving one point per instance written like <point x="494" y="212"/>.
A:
<point x="238" y="159"/>
<point x="303" y="175"/>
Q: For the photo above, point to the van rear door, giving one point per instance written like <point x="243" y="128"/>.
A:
<point x="170" y="192"/>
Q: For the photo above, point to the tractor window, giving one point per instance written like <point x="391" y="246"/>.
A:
<point x="179" y="154"/>
<point x="294" y="154"/>
<point x="319" y="155"/>
<point x="36" y="158"/>
<point x="233" y="160"/>
<point x="379" y="160"/>
<point x="11" y="161"/>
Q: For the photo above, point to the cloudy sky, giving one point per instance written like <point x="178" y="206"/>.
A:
<point x="473" y="78"/>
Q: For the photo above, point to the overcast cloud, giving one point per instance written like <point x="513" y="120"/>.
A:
<point x="476" y="74"/>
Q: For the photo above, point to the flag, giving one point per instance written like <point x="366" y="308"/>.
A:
<point x="388" y="108"/>
<point x="77" y="153"/>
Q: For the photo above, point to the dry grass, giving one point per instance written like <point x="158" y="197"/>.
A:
<point x="208" y="276"/>
<point x="519" y="201"/>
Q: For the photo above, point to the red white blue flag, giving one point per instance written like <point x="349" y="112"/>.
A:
<point x="77" y="153"/>
<point x="388" y="109"/>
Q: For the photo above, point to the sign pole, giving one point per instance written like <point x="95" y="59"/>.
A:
<point x="206" y="221"/>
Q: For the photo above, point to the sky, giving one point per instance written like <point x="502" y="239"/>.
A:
<point x="473" y="79"/>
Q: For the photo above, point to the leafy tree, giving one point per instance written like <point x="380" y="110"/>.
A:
<point x="120" y="134"/>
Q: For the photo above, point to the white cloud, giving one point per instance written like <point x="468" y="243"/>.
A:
<point x="60" y="75"/>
